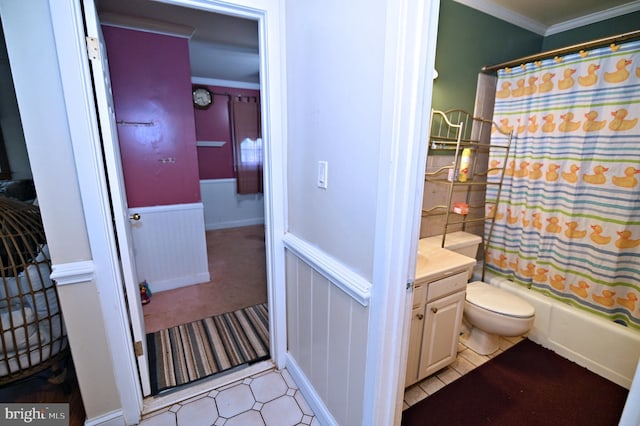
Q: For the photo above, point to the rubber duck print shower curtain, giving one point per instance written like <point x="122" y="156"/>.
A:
<point x="568" y="219"/>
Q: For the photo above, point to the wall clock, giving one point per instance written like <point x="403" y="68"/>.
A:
<point x="202" y="97"/>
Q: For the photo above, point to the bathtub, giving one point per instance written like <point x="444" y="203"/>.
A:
<point x="604" y="347"/>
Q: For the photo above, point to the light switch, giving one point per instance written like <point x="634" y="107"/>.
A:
<point x="323" y="168"/>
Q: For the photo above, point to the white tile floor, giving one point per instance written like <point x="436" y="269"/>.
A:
<point x="467" y="361"/>
<point x="269" y="398"/>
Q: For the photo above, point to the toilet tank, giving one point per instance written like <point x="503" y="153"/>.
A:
<point x="461" y="242"/>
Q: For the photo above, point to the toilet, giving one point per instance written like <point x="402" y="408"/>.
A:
<point x="489" y="312"/>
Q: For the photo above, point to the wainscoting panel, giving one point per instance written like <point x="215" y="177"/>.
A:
<point x="327" y="339"/>
<point x="170" y="245"/>
<point x="224" y="208"/>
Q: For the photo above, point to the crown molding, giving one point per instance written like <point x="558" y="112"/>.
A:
<point x="146" y="24"/>
<point x="505" y="14"/>
<point x="592" y="18"/>
<point x="497" y="11"/>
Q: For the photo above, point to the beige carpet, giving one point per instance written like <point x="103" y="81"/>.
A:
<point x="237" y="265"/>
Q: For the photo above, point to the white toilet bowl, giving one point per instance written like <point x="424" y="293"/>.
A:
<point x="492" y="312"/>
<point x="489" y="312"/>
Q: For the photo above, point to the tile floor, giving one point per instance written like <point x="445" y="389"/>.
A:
<point x="269" y="398"/>
<point x="467" y="361"/>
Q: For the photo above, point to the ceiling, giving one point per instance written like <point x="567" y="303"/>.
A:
<point x="226" y="48"/>
<point x="220" y="47"/>
<point x="546" y="17"/>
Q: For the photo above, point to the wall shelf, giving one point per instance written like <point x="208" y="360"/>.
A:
<point x="453" y="131"/>
<point x="211" y="144"/>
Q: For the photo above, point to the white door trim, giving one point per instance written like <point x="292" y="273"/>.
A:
<point x="68" y="26"/>
<point x="409" y="63"/>
<point x="108" y="140"/>
<point x="269" y="15"/>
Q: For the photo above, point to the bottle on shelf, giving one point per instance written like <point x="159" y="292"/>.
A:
<point x="465" y="163"/>
<point x="451" y="175"/>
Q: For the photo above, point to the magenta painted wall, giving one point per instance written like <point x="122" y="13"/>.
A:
<point x="151" y="79"/>
<point x="213" y="124"/>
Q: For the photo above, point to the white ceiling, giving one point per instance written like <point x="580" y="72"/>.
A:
<point x="226" y="48"/>
<point x="220" y="47"/>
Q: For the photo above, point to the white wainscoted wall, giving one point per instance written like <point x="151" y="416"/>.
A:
<point x="327" y="327"/>
<point x="224" y="208"/>
<point x="170" y="245"/>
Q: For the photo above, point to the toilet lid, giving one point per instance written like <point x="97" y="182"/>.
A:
<point x="497" y="300"/>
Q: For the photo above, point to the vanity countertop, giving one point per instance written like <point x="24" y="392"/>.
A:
<point x="435" y="262"/>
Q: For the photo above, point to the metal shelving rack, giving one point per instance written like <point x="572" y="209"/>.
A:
<point x="453" y="131"/>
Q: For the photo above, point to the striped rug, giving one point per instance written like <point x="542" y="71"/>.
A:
<point x="198" y="349"/>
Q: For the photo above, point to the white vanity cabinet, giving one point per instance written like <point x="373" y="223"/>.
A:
<point x="436" y="316"/>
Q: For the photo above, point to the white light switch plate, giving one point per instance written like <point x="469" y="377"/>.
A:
<point x="323" y="171"/>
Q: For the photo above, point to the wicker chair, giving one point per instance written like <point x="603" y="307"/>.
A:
<point x="32" y="334"/>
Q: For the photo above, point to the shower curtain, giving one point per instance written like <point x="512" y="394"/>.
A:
<point x="568" y="217"/>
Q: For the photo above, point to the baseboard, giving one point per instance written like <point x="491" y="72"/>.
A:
<point x="114" y="418"/>
<point x="316" y="404"/>
<point x="158" y="286"/>
<point x="234" y="224"/>
<point x="225" y="208"/>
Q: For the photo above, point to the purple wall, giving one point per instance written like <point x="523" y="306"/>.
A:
<point x="212" y="124"/>
<point x="151" y="79"/>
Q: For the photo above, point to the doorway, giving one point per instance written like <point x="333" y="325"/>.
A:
<point x="237" y="264"/>
<point x="170" y="309"/>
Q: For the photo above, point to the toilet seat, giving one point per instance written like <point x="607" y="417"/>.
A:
<point x="493" y="299"/>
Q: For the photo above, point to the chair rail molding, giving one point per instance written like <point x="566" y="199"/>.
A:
<point x="73" y="272"/>
<point x="342" y="277"/>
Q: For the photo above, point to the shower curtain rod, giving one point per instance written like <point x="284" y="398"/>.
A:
<point x="564" y="50"/>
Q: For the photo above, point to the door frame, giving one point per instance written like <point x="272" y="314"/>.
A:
<point x="115" y="180"/>
<point x="382" y="374"/>
<point x="68" y="25"/>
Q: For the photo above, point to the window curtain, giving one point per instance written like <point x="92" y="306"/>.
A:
<point x="247" y="143"/>
<point x="568" y="218"/>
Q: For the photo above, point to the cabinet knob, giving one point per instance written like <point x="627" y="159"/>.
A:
<point x="420" y="316"/>
<point x="434" y="309"/>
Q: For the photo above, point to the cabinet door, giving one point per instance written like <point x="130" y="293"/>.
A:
<point x="415" y="343"/>
<point x="441" y="329"/>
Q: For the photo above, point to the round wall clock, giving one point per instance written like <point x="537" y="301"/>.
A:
<point x="202" y="97"/>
